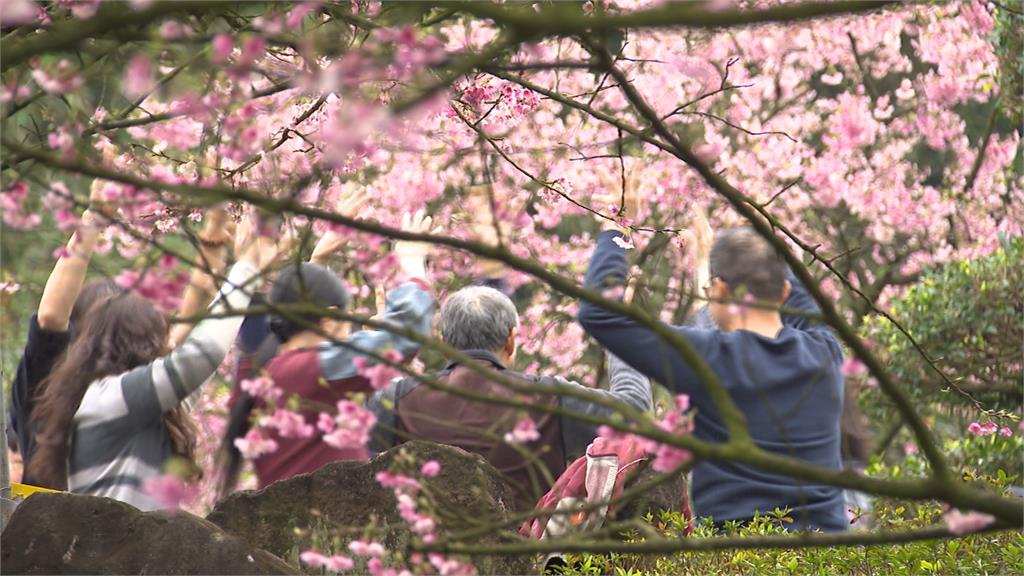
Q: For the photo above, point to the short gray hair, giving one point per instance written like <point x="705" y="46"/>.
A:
<point x="748" y="263"/>
<point x="477" y="318"/>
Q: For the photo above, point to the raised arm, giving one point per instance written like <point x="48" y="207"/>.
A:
<point x="800" y="299"/>
<point x="49" y="331"/>
<point x="213" y="239"/>
<point x="625" y="385"/>
<point x="410" y="306"/>
<point x="637" y="345"/>
<point x="331" y="242"/>
<point x="68" y="276"/>
<point x="158" y="387"/>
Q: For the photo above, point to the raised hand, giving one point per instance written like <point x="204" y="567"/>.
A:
<point x="696" y="241"/>
<point x="486" y="228"/>
<point x="348" y="205"/>
<point x="626" y="202"/>
<point x="245" y="238"/>
<point x="412" y="255"/>
<point x="98" y="202"/>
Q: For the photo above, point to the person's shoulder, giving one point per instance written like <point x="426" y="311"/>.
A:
<point x="98" y="395"/>
<point x="533" y="378"/>
<point x="39" y="337"/>
<point x="820" y="335"/>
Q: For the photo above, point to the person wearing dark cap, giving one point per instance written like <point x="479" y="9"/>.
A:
<point x="312" y="358"/>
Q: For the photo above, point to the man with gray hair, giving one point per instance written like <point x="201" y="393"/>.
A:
<point x="529" y="446"/>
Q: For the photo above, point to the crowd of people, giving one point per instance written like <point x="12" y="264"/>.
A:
<point x="101" y="399"/>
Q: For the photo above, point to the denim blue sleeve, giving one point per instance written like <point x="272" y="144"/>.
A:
<point x="410" y="306"/>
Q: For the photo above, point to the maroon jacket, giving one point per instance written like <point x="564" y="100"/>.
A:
<point x="408" y="410"/>
<point x="317" y="378"/>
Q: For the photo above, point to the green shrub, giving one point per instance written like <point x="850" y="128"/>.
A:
<point x="993" y="553"/>
<point x="967" y="316"/>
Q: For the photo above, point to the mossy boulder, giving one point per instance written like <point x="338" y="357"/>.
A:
<point x="73" y="534"/>
<point x="343" y="501"/>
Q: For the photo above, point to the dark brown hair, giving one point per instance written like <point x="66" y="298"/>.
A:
<point x="118" y="334"/>
<point x="94" y="292"/>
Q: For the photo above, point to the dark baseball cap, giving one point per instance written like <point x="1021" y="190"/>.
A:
<point x="309" y="283"/>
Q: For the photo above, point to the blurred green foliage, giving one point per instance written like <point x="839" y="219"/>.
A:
<point x="968" y="317"/>
<point x="992" y="553"/>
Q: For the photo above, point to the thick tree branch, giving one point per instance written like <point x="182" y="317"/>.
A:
<point x="68" y="34"/>
<point x="567" y="19"/>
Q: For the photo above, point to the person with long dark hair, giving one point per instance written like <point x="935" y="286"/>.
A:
<point x="109" y="415"/>
<point x="65" y="302"/>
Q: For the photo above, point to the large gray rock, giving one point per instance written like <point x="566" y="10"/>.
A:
<point x="340" y="502"/>
<point x="73" y="534"/>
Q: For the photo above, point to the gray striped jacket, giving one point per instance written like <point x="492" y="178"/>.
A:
<point x="120" y="439"/>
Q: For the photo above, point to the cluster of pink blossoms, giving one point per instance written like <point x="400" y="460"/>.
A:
<point x="350" y="428"/>
<point x="406" y="490"/>
<point x="170" y="492"/>
<point x="262" y="387"/>
<point x="12" y="206"/>
<point x="523" y="432"/>
<point x="988" y="429"/>
<point x="379" y="374"/>
<point x="675" y="421"/>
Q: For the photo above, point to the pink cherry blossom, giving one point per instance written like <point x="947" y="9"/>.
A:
<point x="81" y="9"/>
<point x="16" y="12"/>
<point x="853" y="367"/>
<point x="162" y="287"/>
<point x="364" y="548"/>
<point x="61" y="79"/>
<point x="960" y="524"/>
<point x="1005" y="431"/>
<point x="397" y="481"/>
<point x="138" y="77"/>
<point x="431" y="468"/>
<point x="253" y="50"/>
<point x="525" y="431"/>
<point x="169" y="491"/>
<point x="379" y="374"/>
<point x="353" y="426"/>
<point x="262" y="387"/>
<point x="172" y="30"/>
<point x="254" y="444"/>
<point x="12" y="91"/>
<point x="325" y="422"/>
<point x="313" y="558"/>
<point x="12" y="207"/>
<point x="223" y="45"/>
<point x="339" y="563"/>
<point x="300" y="11"/>
<point x="288" y="424"/>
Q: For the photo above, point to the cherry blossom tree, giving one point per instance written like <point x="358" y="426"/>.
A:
<point x="866" y="140"/>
